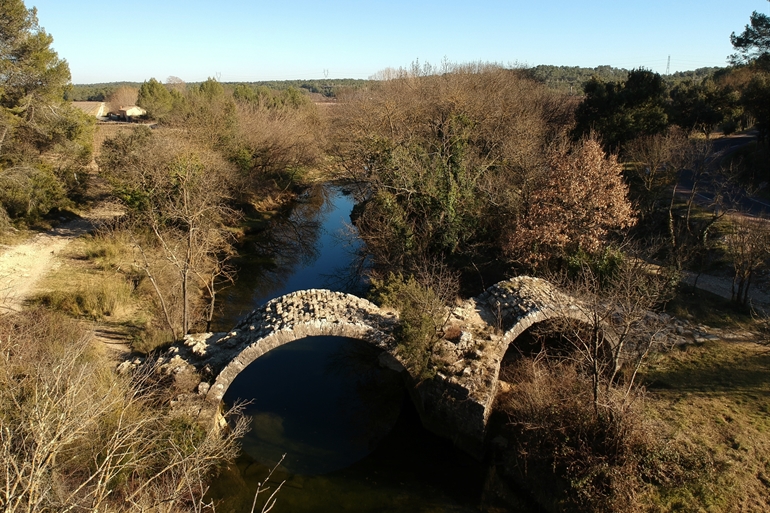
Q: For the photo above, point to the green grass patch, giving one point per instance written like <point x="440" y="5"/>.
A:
<point x="94" y="298"/>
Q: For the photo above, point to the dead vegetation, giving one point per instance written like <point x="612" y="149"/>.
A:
<point x="74" y="436"/>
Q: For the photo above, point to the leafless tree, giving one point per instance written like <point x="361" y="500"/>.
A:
<point x="615" y="327"/>
<point x="176" y="84"/>
<point x="177" y="192"/>
<point x="121" y="97"/>
<point x="657" y="161"/>
<point x="748" y="245"/>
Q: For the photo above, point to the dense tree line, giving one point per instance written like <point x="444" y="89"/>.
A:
<point x="95" y="92"/>
<point x="572" y="79"/>
<point x="326" y="87"/>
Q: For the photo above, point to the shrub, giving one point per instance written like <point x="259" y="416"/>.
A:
<point x="593" y="461"/>
<point x="77" y="437"/>
<point x="5" y="221"/>
<point x="29" y="192"/>
<point x="422" y="314"/>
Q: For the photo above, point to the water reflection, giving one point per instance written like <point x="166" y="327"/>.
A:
<point x="313" y="246"/>
<point x="327" y="403"/>
<point x="322" y="400"/>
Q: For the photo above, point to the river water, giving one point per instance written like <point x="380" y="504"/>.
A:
<point x="352" y="438"/>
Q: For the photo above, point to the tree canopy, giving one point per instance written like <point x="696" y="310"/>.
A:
<point x="623" y="110"/>
<point x="753" y="44"/>
<point x="34" y="119"/>
<point x="31" y="74"/>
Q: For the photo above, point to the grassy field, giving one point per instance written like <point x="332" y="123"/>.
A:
<point x="714" y="399"/>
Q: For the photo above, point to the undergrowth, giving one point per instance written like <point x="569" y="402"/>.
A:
<point x="575" y="458"/>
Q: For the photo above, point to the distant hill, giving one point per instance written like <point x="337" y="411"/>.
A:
<point x="569" y="79"/>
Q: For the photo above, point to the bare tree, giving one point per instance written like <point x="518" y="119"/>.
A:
<point x="177" y="193"/>
<point x="704" y="185"/>
<point x="176" y="84"/>
<point x="748" y="245"/>
<point x="123" y="96"/>
<point x="614" y="328"/>
<point x="657" y="161"/>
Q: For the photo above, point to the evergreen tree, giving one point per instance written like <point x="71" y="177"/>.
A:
<point x="32" y="77"/>
<point x="155" y="98"/>
<point x="621" y="111"/>
<point x="753" y="44"/>
<point x="44" y="141"/>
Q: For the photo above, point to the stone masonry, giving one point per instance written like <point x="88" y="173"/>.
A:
<point x="456" y="403"/>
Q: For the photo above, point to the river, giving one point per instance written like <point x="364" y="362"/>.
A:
<point x="352" y="438"/>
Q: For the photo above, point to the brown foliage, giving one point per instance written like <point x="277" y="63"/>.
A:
<point x="576" y="203"/>
<point x="121" y="97"/>
<point x="277" y="143"/>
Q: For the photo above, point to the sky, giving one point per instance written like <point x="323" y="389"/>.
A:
<point x="253" y="40"/>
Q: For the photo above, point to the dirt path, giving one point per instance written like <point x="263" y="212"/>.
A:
<point x="24" y="265"/>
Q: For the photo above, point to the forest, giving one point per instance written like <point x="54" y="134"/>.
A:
<point x="622" y="187"/>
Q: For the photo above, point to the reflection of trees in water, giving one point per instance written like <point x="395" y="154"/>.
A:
<point x="270" y="258"/>
<point x="350" y="277"/>
<point x="290" y="245"/>
<point x="292" y="240"/>
<point x="374" y="403"/>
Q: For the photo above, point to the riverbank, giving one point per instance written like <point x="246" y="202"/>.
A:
<point x="667" y="400"/>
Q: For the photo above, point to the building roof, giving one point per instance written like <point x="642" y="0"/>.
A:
<point x="133" y="110"/>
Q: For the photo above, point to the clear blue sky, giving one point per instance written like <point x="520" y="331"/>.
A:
<point x="250" y="40"/>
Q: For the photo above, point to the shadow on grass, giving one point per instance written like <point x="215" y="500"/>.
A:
<point x="707" y="308"/>
<point x="711" y="369"/>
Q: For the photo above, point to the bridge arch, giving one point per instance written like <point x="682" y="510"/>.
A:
<point x="456" y="403"/>
<point x="513" y="306"/>
<point x="298" y="315"/>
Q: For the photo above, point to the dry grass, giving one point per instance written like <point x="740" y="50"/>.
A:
<point x="707" y="308"/>
<point x="77" y="437"/>
<point x="716" y="397"/>
<point x="92" y="297"/>
<point x="92" y="282"/>
<point x="574" y="458"/>
<point x="98" y="281"/>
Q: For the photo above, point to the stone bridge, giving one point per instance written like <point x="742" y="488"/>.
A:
<point x="456" y="403"/>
